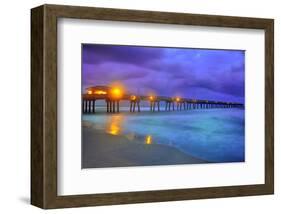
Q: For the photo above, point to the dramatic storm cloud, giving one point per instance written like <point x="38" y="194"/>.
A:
<point x="190" y="73"/>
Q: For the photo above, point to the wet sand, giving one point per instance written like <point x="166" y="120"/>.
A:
<point x="100" y="149"/>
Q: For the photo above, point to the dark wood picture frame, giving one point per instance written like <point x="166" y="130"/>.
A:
<point x="44" y="106"/>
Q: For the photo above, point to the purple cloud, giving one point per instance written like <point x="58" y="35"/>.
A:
<point x="192" y="73"/>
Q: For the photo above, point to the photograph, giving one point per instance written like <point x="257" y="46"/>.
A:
<point x="133" y="106"/>
<point x="147" y="106"/>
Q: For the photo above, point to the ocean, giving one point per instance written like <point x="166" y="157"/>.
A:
<point x="212" y="135"/>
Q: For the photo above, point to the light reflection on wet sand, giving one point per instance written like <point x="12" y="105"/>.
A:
<point x="114" y="126"/>
<point x="148" y="139"/>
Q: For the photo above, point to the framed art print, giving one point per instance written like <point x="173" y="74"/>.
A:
<point x="140" y="106"/>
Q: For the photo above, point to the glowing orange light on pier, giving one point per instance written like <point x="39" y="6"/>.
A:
<point x="133" y="97"/>
<point x="151" y="98"/>
<point x="178" y="99"/>
<point x="89" y="92"/>
<point x="116" y="93"/>
<point x="100" y="92"/>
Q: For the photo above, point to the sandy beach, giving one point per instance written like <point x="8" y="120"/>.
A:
<point x="100" y="149"/>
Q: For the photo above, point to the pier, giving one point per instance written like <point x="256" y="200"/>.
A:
<point x="113" y="96"/>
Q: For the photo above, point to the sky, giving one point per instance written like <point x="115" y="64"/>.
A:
<point x="208" y="74"/>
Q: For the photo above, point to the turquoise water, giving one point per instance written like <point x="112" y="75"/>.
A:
<point x="213" y="135"/>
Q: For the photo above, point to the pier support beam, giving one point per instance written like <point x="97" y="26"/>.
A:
<point x="110" y="106"/>
<point x="107" y="106"/>
<point x="138" y="104"/>
<point x="93" y="106"/>
<point x="118" y="106"/>
<point x="133" y="105"/>
<point x="113" y="106"/>
<point x="84" y="106"/>
<point x="88" y="106"/>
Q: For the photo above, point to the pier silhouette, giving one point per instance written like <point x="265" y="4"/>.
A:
<point x="113" y="96"/>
